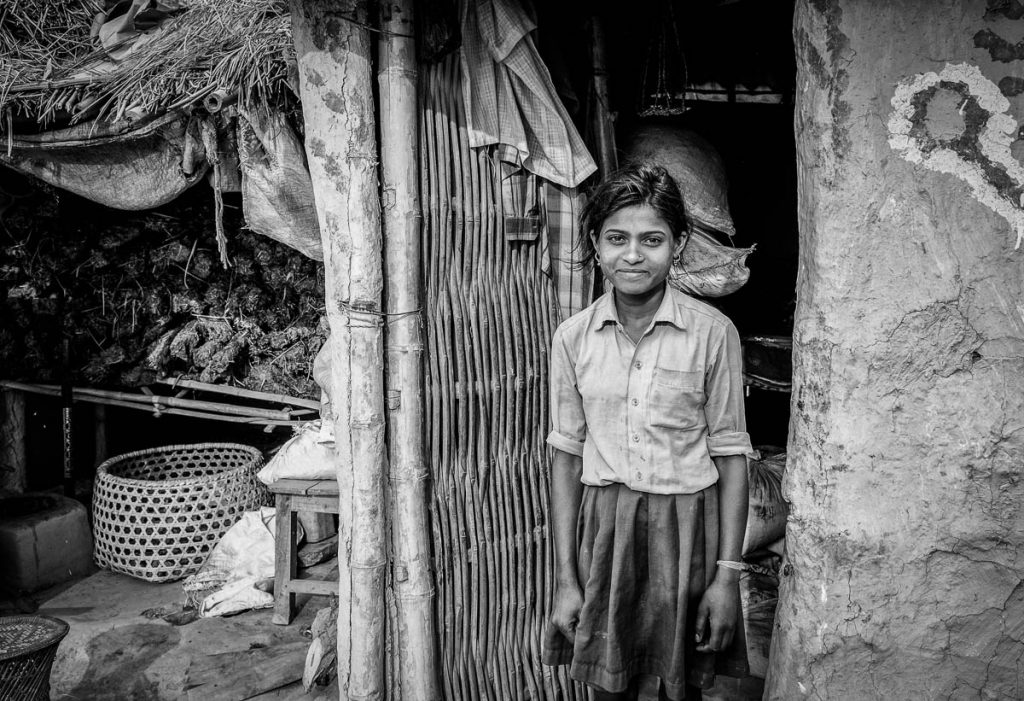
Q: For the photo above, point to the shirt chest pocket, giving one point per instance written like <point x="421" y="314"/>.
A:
<point x="677" y="399"/>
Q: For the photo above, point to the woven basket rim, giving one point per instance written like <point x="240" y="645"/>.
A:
<point x="103" y="469"/>
<point x="57" y="634"/>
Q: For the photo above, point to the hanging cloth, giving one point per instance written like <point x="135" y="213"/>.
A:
<point x="511" y="100"/>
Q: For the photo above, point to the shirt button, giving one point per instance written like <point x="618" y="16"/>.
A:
<point x="636" y="438"/>
<point x="638" y="365"/>
<point x="639" y="475"/>
<point x="635" y="401"/>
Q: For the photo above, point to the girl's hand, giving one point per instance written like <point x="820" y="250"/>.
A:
<point x="719" y="611"/>
<point x="565" y="610"/>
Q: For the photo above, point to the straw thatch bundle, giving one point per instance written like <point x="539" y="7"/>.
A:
<point x="51" y="68"/>
<point x="37" y="37"/>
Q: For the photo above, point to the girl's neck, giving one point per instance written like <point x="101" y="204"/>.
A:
<point x="638" y="308"/>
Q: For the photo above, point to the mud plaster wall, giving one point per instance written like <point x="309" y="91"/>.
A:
<point x="904" y="546"/>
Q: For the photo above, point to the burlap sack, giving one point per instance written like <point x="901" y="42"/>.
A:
<point x="277" y="192"/>
<point x="696" y="167"/>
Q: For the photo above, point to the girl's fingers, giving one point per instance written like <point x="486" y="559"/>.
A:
<point x="721" y="636"/>
<point x="702" y="621"/>
<point x="568" y="630"/>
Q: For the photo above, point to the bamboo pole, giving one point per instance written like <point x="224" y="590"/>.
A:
<point x="416" y="639"/>
<point x="153" y="401"/>
<point x="150" y="403"/>
<point x="13" y="462"/>
<point x="333" y="51"/>
<point x="604" y="122"/>
<point x="241" y="392"/>
<point x="99" y="423"/>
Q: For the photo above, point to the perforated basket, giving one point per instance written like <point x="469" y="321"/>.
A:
<point x="28" y="645"/>
<point x="157" y="513"/>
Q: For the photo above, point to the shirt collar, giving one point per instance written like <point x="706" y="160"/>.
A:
<point x="668" y="312"/>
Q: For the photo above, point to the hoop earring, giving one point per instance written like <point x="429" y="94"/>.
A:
<point x="675" y="258"/>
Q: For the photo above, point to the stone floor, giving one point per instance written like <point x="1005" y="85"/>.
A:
<point x="114" y="652"/>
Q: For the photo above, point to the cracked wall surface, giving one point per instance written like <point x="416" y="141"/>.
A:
<point x="905" y="545"/>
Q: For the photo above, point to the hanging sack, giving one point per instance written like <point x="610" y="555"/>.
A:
<point x="121" y="165"/>
<point x="277" y="191"/>
<point x="707" y="267"/>
<point x="696" y="167"/>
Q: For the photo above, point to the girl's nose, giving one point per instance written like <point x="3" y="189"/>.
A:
<point x="634" y="254"/>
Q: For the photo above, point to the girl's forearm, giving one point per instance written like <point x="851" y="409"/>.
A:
<point x="566" y="496"/>
<point x="732" y="511"/>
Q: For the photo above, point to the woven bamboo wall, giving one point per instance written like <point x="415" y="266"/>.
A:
<point x="490" y="313"/>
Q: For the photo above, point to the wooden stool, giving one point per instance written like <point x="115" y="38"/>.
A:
<point x="291" y="496"/>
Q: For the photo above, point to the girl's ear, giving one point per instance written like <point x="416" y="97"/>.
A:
<point x="681" y="244"/>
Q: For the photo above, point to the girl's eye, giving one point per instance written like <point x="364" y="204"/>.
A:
<point x="654" y="241"/>
<point x="615" y="238"/>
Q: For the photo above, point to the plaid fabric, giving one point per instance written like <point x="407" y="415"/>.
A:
<point x="511" y="100"/>
<point x="519" y="203"/>
<point x="574" y="283"/>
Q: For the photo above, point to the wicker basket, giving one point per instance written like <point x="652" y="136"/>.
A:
<point x="28" y="645"/>
<point x="158" y="513"/>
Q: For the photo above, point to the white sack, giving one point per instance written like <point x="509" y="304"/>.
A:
<point x="306" y="456"/>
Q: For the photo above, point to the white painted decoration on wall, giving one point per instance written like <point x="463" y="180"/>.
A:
<point x="958" y="122"/>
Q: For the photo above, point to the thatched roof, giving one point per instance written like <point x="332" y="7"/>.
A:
<point x="54" y="68"/>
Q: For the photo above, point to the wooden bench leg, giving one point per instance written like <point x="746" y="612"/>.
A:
<point x="285" y="560"/>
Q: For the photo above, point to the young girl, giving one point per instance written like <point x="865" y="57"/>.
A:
<point x="649" y="480"/>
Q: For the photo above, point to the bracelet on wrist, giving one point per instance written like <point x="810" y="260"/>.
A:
<point x="746" y="567"/>
<point x="733" y="565"/>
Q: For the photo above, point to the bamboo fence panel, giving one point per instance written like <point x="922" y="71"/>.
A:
<point x="489" y="316"/>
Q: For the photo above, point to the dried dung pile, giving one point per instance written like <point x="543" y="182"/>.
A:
<point x="134" y="296"/>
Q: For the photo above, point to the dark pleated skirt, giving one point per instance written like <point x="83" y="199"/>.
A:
<point x="644" y="562"/>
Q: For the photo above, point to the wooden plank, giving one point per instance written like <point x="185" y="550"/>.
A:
<point x="285" y="561"/>
<point x="314" y="488"/>
<point x="317" y="587"/>
<point x="233" y="676"/>
<point x="321" y="504"/>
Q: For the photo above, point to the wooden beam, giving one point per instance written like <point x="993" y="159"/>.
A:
<point x="415" y="641"/>
<point x="335" y="84"/>
<point x="13" y="461"/>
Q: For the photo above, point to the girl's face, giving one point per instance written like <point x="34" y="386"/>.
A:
<point x="635" y="249"/>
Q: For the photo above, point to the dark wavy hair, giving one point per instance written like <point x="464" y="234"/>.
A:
<point x="634" y="184"/>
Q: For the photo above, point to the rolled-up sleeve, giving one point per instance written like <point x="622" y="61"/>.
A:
<point x="568" y="424"/>
<point x="723" y="385"/>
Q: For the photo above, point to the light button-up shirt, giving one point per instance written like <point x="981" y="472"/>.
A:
<point x="650" y="414"/>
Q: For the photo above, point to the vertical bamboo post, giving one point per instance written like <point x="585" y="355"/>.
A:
<point x="99" y="416"/>
<point x="13" y="462"/>
<point x="335" y="84"/>
<point x="604" y="122"/>
<point x="415" y="641"/>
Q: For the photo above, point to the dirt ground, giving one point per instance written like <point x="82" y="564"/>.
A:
<point x="114" y="652"/>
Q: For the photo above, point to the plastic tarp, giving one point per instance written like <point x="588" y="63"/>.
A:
<point x="118" y="165"/>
